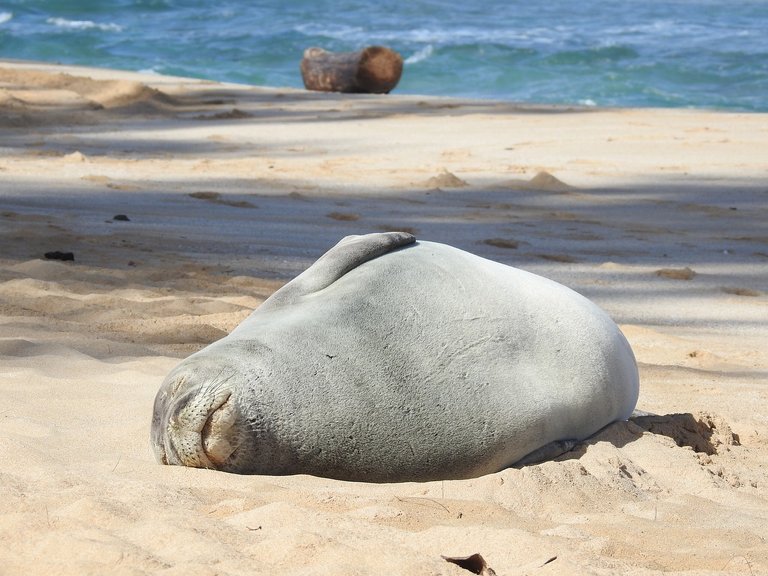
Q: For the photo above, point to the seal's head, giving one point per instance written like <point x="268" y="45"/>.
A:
<point x="195" y="421"/>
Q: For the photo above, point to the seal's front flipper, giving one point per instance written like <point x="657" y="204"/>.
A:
<point x="349" y="253"/>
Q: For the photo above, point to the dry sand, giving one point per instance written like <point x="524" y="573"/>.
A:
<point x="659" y="216"/>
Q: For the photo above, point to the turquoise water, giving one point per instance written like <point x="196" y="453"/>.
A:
<point x="684" y="53"/>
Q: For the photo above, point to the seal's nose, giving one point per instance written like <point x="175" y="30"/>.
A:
<point x="198" y="425"/>
<point x="217" y="438"/>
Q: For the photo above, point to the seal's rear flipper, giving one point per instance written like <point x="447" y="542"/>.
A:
<point x="547" y="452"/>
<point x="349" y="253"/>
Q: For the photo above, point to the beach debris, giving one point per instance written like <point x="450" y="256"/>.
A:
<point x="63" y="256"/>
<point x="474" y="563"/>
<point x="446" y="179"/>
<point x="539" y="563"/>
<point x="676" y="273"/>
<point x="372" y="70"/>
<point x="121" y="218"/>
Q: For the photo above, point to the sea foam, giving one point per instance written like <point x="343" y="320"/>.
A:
<point x="84" y="25"/>
<point x="420" y="55"/>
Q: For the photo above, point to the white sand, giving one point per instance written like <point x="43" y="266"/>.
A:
<point x="231" y="190"/>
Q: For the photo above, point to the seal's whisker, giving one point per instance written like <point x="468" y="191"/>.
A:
<point x="213" y="387"/>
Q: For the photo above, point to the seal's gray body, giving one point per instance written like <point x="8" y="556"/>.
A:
<point x="389" y="360"/>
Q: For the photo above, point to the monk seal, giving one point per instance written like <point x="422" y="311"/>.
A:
<point x="394" y="360"/>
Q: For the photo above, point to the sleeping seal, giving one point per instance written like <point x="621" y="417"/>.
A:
<point x="394" y="360"/>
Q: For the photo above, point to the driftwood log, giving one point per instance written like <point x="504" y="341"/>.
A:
<point x="373" y="70"/>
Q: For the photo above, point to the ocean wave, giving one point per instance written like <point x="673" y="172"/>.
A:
<point x="476" y="36"/>
<point x="448" y="36"/>
<point x="84" y="25"/>
<point x="335" y="32"/>
<point x="5" y="17"/>
<point x="420" y="55"/>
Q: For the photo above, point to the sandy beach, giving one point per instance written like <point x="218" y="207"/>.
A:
<point x="186" y="203"/>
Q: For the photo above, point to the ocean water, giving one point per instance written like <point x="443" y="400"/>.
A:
<point x="650" y="53"/>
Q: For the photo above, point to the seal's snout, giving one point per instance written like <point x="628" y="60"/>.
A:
<point x="198" y="429"/>
<point x="194" y="424"/>
<point x="218" y="436"/>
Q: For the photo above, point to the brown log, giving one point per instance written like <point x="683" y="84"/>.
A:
<point x="372" y="70"/>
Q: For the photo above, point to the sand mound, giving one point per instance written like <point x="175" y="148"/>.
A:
<point x="445" y="179"/>
<point x="120" y="93"/>
<point x="546" y="181"/>
<point x="543" y="181"/>
<point x="25" y="94"/>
